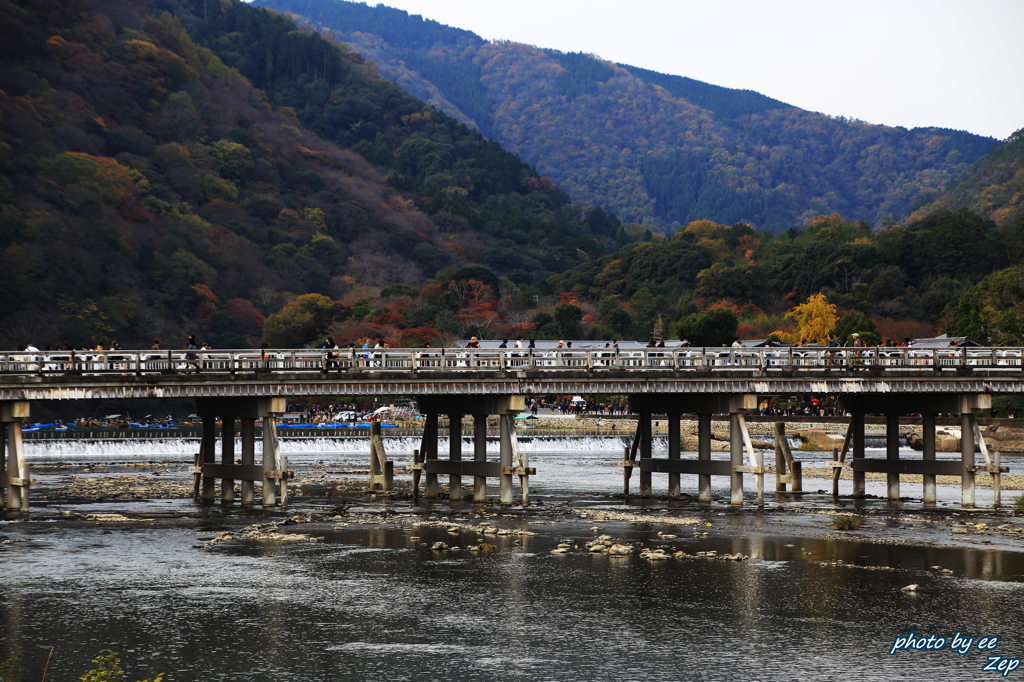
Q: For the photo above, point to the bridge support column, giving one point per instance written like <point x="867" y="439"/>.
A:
<point x="455" y="455"/>
<point x="967" y="459"/>
<point x="227" y="456"/>
<point x="644" y="425"/>
<point x="736" y="458"/>
<point x="430" y="454"/>
<point x="857" y="424"/>
<point x="892" y="454"/>
<point x="272" y="464"/>
<point x="929" y="494"/>
<point x="673" y="452"/>
<point x="704" y="454"/>
<point x="273" y="472"/>
<point x="480" y="456"/>
<point x="480" y="406"/>
<point x="505" y="457"/>
<point x="18" y="481"/>
<point x="248" y="459"/>
<point x="208" y="448"/>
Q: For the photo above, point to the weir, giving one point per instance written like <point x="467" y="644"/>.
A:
<point x="239" y="387"/>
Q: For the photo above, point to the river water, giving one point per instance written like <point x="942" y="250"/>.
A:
<point x="372" y="601"/>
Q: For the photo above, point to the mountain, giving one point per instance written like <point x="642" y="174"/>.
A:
<point x="992" y="187"/>
<point x="149" y="190"/>
<point x="655" y="149"/>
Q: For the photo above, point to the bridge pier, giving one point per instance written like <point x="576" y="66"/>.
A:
<point x="16" y="474"/>
<point x="927" y="405"/>
<point x="455" y="455"/>
<point x="272" y="472"/>
<point x="736" y="459"/>
<point x="479" y="455"/>
<point x="673" y="452"/>
<point x="480" y="407"/>
<point x="857" y="445"/>
<point x="505" y="429"/>
<point x="892" y="454"/>
<point x="704" y="455"/>
<point x="929" y="493"/>
<point x="703" y="405"/>
<point x="646" y="447"/>
<point x="966" y="460"/>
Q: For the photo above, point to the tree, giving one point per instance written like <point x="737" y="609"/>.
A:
<point x="567" y="320"/>
<point x="299" y="323"/>
<point x="716" y="327"/>
<point x="815" y="319"/>
<point x="992" y="312"/>
<point x="855" y="321"/>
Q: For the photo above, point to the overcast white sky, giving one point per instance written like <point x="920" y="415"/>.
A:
<point x="949" y="63"/>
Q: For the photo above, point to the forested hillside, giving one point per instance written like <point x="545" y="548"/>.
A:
<point x="149" y="190"/>
<point x="654" y="149"/>
<point x="175" y="167"/>
<point x="992" y="187"/>
<point x="904" y="281"/>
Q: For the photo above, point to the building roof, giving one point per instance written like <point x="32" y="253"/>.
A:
<point x="943" y="342"/>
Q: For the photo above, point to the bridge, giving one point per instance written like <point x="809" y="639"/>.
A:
<point x="246" y="386"/>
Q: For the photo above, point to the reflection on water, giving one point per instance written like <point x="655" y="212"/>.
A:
<point x="379" y="604"/>
<point x="376" y="603"/>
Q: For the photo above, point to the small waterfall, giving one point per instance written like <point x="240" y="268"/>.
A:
<point x="184" y="449"/>
<point x="879" y="442"/>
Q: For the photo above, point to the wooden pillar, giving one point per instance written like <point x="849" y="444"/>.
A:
<point x="736" y="457"/>
<point x="271" y="462"/>
<point x="455" y="455"/>
<point x="376" y="465"/>
<point x="645" y="452"/>
<point x="430" y="453"/>
<point x="17" y="484"/>
<point x="892" y="453"/>
<point x="382" y="470"/>
<point x="480" y="456"/>
<point x="780" y="457"/>
<point x="704" y="453"/>
<point x="967" y="459"/>
<point x="857" y="424"/>
<point x="505" y="455"/>
<point x="209" y="456"/>
<point x="249" y="459"/>
<point x="929" y="495"/>
<point x="673" y="453"/>
<point x="997" y="494"/>
<point x="227" y="456"/>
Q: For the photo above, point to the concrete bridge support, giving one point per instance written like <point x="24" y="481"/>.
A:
<point x="704" y="455"/>
<point x="892" y="454"/>
<point x="704" y="406"/>
<point x="273" y="471"/>
<point x="17" y="481"/>
<point x="479" y="456"/>
<point x="480" y="407"/>
<point x="929" y="492"/>
<point x="927" y="405"/>
<point x="455" y="455"/>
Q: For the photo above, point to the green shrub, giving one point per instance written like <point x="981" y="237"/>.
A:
<point x="1018" y="502"/>
<point x="846" y="522"/>
<point x="108" y="669"/>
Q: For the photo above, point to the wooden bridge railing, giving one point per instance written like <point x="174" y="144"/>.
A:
<point x="409" y="360"/>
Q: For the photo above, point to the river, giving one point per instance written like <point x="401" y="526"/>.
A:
<point x="371" y="600"/>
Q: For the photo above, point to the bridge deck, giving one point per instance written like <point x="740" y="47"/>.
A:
<point x="190" y="374"/>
